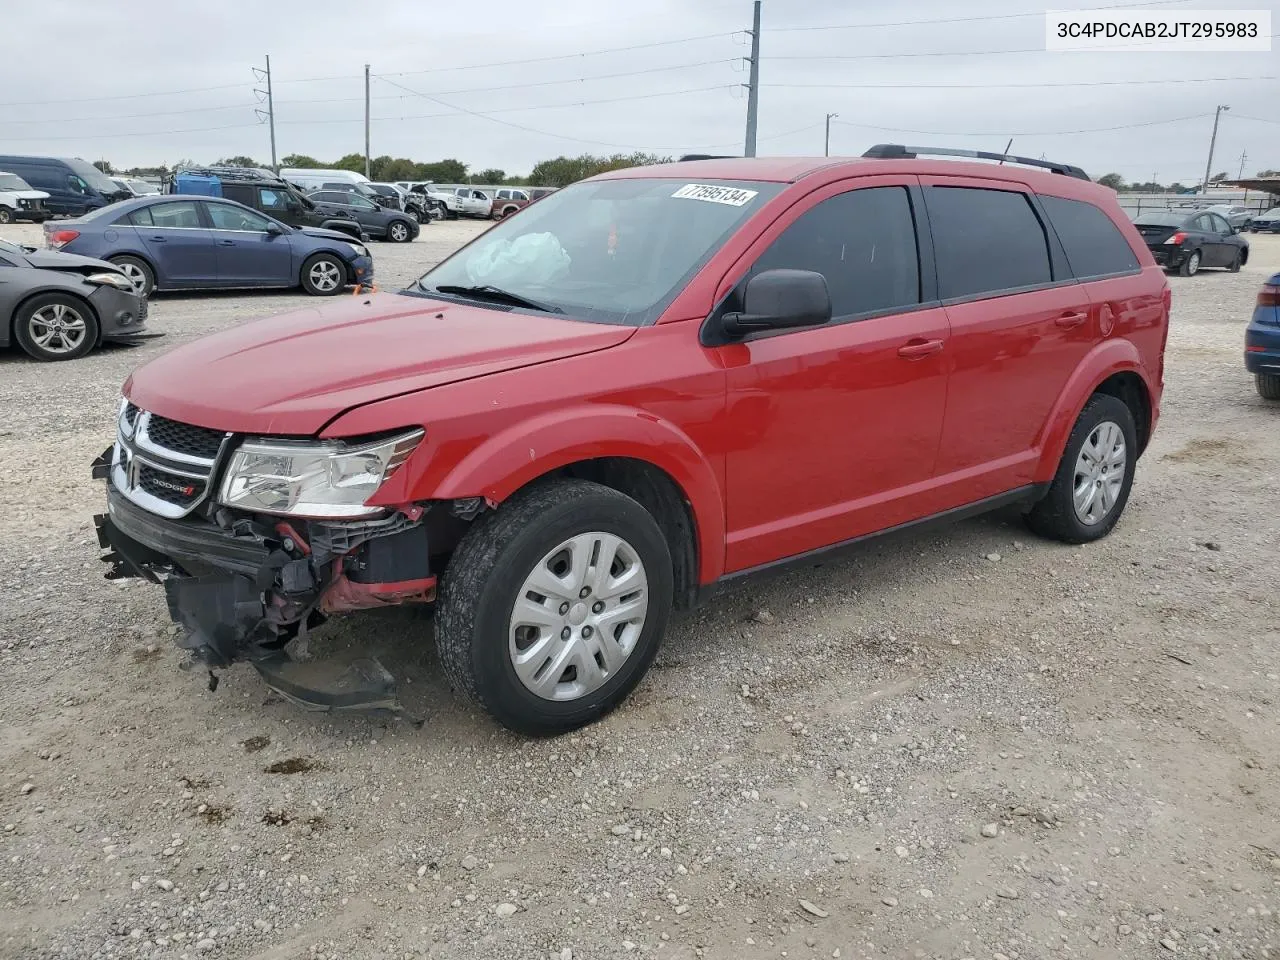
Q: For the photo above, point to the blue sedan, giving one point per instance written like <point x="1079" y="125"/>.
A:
<point x="195" y="243"/>
<point x="1262" y="340"/>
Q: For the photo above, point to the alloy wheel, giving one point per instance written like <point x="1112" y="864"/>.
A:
<point x="57" y="328"/>
<point x="1099" y="473"/>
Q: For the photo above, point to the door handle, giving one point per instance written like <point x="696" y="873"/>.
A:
<point x="919" y="349"/>
<point x="226" y="243"/>
<point x="155" y="239"/>
<point x="1068" y="320"/>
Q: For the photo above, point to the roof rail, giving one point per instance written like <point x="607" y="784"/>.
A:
<point x="896" y="151"/>
<point x="230" y="173"/>
<point x="707" y="156"/>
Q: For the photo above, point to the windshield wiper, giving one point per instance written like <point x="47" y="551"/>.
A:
<point x="487" y="291"/>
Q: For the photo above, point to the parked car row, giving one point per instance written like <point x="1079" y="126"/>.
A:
<point x="1185" y="242"/>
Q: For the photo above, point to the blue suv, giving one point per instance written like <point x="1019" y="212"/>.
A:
<point x="192" y="243"/>
<point x="1262" y="340"/>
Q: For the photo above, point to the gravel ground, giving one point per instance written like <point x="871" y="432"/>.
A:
<point x="967" y="743"/>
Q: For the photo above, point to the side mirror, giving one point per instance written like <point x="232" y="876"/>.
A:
<point x="781" y="300"/>
<point x="274" y="229"/>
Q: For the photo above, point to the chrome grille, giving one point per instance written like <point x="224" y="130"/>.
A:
<point x="162" y="465"/>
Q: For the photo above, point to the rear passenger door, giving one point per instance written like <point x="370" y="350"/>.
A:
<point x="178" y="242"/>
<point x="1019" y="326"/>
<point x="833" y="431"/>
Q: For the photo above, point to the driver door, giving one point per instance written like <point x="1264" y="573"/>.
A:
<point x="834" y="430"/>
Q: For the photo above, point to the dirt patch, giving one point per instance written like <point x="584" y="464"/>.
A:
<point x="147" y="654"/>
<point x="213" y="815"/>
<point x="293" y="765"/>
<point x="254" y="744"/>
<point x="194" y="783"/>
<point x="1209" y="450"/>
<point x="277" y="818"/>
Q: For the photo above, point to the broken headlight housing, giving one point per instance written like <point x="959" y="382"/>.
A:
<point x="330" y="479"/>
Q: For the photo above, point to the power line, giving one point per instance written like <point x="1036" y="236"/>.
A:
<point x="135" y="133"/>
<point x="138" y="116"/>
<point x="1024" y="133"/>
<point x="540" y="106"/>
<point x="571" y="80"/>
<point x="946" y="53"/>
<point x="1241" y="116"/>
<point x="974" y="19"/>
<point x="1005" y="86"/>
<point x="122" y="96"/>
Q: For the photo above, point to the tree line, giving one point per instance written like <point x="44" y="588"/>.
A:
<point x="1117" y="182"/>
<point x="557" y="172"/>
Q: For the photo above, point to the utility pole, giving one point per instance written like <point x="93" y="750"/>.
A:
<point x="1244" y="155"/>
<point x="826" y="150"/>
<point x="1213" y="140"/>
<point x="367" y="172"/>
<point x="270" y="115"/>
<point x="753" y="83"/>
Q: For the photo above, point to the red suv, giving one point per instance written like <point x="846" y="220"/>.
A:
<point x="648" y="384"/>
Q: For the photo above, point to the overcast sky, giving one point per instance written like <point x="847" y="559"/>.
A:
<point x="516" y="82"/>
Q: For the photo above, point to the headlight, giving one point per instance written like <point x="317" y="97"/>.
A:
<point x="117" y="280"/>
<point x="304" y="479"/>
<point x="360" y="249"/>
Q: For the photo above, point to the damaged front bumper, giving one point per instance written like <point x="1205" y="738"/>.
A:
<point x="242" y="586"/>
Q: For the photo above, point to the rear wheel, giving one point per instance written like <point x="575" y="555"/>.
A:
<point x="323" y="275"/>
<point x="1268" y="385"/>
<point x="139" y="273"/>
<point x="553" y="606"/>
<point x="6" y="215"/>
<point x="1236" y="261"/>
<point x="1091" y="487"/>
<point x="56" y="326"/>
<point x="1190" y="266"/>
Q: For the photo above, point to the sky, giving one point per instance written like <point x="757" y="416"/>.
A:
<point x="145" y="82"/>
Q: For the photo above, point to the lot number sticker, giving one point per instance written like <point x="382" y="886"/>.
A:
<point x="733" y="196"/>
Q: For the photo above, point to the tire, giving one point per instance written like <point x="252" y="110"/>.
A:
<point x="323" y="275"/>
<point x="6" y="215"/>
<point x="1236" y="261"/>
<point x="1190" y="266"/>
<point x="399" y="231"/>
<point x="139" y="272"/>
<point x="1056" y="516"/>
<point x="1268" y="385"/>
<point x="56" y="326"/>
<point x="478" y="642"/>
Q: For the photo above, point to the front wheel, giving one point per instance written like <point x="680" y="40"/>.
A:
<point x="1268" y="385"/>
<point x="398" y="231"/>
<point x="1091" y="487"/>
<point x="1190" y="266"/>
<point x="323" y="275"/>
<point x="553" y="606"/>
<point x="6" y="215"/>
<point x="56" y="326"/>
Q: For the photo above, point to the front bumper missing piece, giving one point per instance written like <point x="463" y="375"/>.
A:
<point x="241" y="589"/>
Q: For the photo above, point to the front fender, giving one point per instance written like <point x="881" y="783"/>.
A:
<point x="505" y="461"/>
<point x="1106" y="359"/>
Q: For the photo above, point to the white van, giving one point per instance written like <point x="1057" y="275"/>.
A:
<point x="314" y="179"/>
<point x="19" y="202"/>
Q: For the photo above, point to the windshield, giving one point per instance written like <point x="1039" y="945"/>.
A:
<point x="11" y="181"/>
<point x="94" y="177"/>
<point x="610" y="251"/>
<point x="1160" y="218"/>
<point x="142" y="187"/>
<point x="7" y="247"/>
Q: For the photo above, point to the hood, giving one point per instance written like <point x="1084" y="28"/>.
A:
<point x="293" y="373"/>
<point x="55" y="260"/>
<point x="326" y="234"/>
<point x="26" y="194"/>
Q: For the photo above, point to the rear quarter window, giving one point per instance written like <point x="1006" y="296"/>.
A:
<point x="986" y="241"/>
<point x="1095" y="247"/>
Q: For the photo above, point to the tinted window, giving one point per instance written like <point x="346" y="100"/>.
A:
<point x="986" y="241"/>
<point x="360" y="202"/>
<point x="863" y="242"/>
<point x="1219" y="224"/>
<point x="325" y="197"/>
<point x="227" y="217"/>
<point x="183" y="215"/>
<point x="1160" y="218"/>
<point x="273" y="200"/>
<point x="1094" y="246"/>
<point x="1203" y="224"/>
<point x="140" y="217"/>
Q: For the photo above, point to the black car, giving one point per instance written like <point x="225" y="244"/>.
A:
<point x="1188" y="241"/>
<point x="263" y="191"/>
<point x="379" y="222"/>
